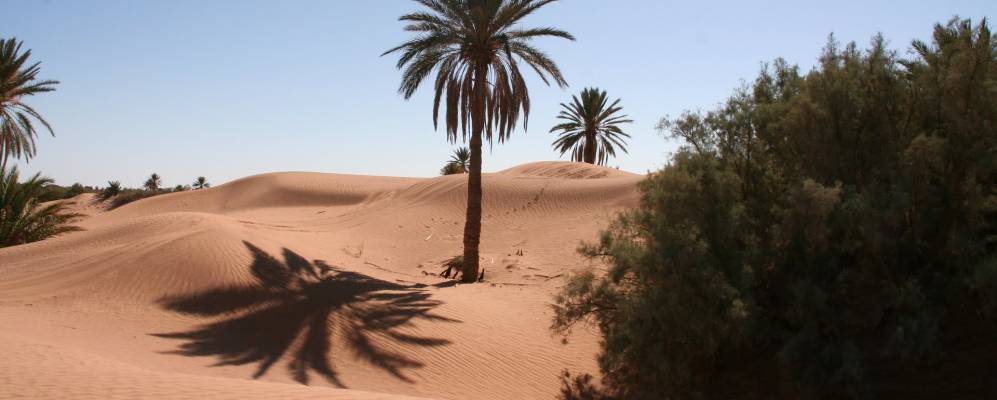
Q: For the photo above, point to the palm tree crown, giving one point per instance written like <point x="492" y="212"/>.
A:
<point x="153" y="182"/>
<point x="476" y="41"/>
<point x="18" y="80"/>
<point x="475" y="48"/>
<point x="201" y="183"/>
<point x="591" y="129"/>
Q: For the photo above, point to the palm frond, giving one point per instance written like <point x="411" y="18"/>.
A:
<point x="23" y="218"/>
<point x="18" y="80"/>
<point x="459" y="39"/>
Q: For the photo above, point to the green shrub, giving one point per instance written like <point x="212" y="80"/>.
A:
<point x="113" y="189"/>
<point x="52" y="192"/>
<point x="130" y="195"/>
<point x="75" y="190"/>
<point x="452" y="169"/>
<point x="819" y="233"/>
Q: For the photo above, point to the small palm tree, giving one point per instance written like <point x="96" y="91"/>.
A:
<point x="591" y="131"/>
<point x="113" y="189"/>
<point x="475" y="47"/>
<point x="23" y="218"/>
<point x="201" y="183"/>
<point x="153" y="183"/>
<point x="17" y="81"/>
<point x="460" y="158"/>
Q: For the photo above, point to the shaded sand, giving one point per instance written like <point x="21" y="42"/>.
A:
<point x="255" y="287"/>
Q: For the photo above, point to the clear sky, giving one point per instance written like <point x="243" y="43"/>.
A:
<point x="228" y="89"/>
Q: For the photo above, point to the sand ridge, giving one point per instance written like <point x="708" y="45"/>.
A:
<point x="324" y="279"/>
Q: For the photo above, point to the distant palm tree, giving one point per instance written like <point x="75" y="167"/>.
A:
<point x="23" y="219"/>
<point x="475" y="47"/>
<point x="592" y="131"/>
<point x="17" y="80"/>
<point x="153" y="183"/>
<point x="460" y="158"/>
<point x="113" y="189"/>
<point x="201" y="183"/>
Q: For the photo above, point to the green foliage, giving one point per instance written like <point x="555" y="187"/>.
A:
<point x="153" y="183"/>
<point x="113" y="189"/>
<point x="467" y="41"/>
<point x="131" y="195"/>
<point x="461" y="158"/>
<point x="54" y="192"/>
<point x="825" y="225"/>
<point x="580" y="387"/>
<point x="591" y="130"/>
<point x="23" y="219"/>
<point x="18" y="80"/>
<point x="452" y="169"/>
<point x="201" y="183"/>
<point x="458" y="163"/>
<point x="76" y="189"/>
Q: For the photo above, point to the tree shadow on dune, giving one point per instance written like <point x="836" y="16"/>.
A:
<point x="299" y="306"/>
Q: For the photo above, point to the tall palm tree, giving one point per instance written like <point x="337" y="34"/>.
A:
<point x="460" y="158"/>
<point x="153" y="183"/>
<point x="23" y="219"/>
<point x="591" y="130"/>
<point x="475" y="47"/>
<point x="17" y="80"/>
<point x="201" y="183"/>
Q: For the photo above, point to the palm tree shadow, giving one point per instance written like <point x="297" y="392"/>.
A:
<point x="298" y="306"/>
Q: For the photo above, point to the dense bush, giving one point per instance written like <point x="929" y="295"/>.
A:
<point x="126" y="196"/>
<point x="452" y="169"/>
<point x="820" y="234"/>
<point x="113" y="189"/>
<point x="53" y="192"/>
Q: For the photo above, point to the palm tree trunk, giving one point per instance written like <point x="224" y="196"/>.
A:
<point x="472" y="224"/>
<point x="590" y="148"/>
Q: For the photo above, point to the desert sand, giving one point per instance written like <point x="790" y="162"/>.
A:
<point x="307" y="285"/>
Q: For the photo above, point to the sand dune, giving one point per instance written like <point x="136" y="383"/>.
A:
<point x="250" y="288"/>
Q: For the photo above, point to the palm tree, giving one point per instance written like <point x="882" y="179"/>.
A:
<point x="460" y="159"/>
<point x="201" y="183"/>
<point x="153" y="182"/>
<point x="23" y="219"/>
<point x="475" y="47"/>
<point x="17" y="80"/>
<point x="592" y="131"/>
<point x="113" y="189"/>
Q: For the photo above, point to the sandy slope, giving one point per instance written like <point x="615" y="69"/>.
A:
<point x="250" y="288"/>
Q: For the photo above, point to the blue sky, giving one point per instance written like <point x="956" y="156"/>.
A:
<point x="228" y="89"/>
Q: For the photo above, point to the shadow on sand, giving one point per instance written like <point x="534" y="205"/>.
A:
<point x="299" y="306"/>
